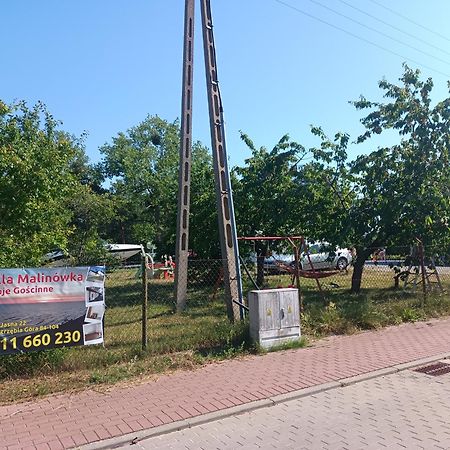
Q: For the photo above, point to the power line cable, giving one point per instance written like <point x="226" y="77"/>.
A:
<point x="410" y="20"/>
<point x="378" y="31"/>
<point x="394" y="27"/>
<point x="287" y="5"/>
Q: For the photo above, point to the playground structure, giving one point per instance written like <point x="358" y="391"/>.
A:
<point x="160" y="270"/>
<point x="420" y="270"/>
<point x="165" y="270"/>
<point x="298" y="244"/>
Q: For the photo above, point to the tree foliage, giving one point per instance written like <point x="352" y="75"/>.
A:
<point x="35" y="182"/>
<point x="91" y="209"/>
<point x="291" y="191"/>
<point x="324" y="191"/>
<point x="265" y="187"/>
<point x="406" y="185"/>
<point x="402" y="191"/>
<point x="51" y="196"/>
<point x="142" y="166"/>
<point x="388" y="197"/>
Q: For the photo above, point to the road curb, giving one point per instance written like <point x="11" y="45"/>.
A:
<point x="134" y="438"/>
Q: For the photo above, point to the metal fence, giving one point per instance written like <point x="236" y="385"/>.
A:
<point x="389" y="276"/>
<point x="123" y="316"/>
<point x="386" y="271"/>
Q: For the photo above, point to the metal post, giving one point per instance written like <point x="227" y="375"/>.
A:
<point x="313" y="270"/>
<point x="422" y="269"/>
<point x="184" y="177"/>
<point x="297" y="276"/>
<point x="144" y="261"/>
<point x="297" y="268"/>
<point x="227" y="231"/>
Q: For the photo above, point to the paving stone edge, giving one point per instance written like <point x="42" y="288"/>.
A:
<point x="134" y="438"/>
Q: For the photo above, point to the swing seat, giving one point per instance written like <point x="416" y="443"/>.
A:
<point x="323" y="274"/>
<point x="308" y="273"/>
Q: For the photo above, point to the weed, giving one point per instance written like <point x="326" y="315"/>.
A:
<point x="296" y="343"/>
<point x="409" y="314"/>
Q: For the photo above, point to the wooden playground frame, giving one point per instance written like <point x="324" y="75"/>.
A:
<point x="297" y="243"/>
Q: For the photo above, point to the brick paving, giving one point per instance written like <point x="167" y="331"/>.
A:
<point x="67" y="421"/>
<point x="398" y="411"/>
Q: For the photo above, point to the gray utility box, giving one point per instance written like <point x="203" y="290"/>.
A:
<point x="274" y="316"/>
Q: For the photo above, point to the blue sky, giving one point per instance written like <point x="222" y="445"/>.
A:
<point x="102" y="66"/>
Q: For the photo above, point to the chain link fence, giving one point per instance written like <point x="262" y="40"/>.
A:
<point x="123" y="316"/>
<point x="171" y="338"/>
<point x="400" y="269"/>
<point x="122" y="335"/>
<point x="397" y="285"/>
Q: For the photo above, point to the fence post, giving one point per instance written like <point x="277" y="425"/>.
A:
<point x="144" y="300"/>
<point x="422" y="269"/>
<point x="297" y="277"/>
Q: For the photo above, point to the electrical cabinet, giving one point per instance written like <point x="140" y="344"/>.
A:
<point x="274" y="316"/>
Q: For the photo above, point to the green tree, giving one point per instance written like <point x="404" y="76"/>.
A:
<point x="403" y="191"/>
<point x="142" y="166"/>
<point x="324" y="190"/>
<point x="203" y="228"/>
<point x="90" y="213"/>
<point x="264" y="194"/>
<point x="91" y="207"/>
<point x="35" y="183"/>
<point x="292" y="191"/>
<point x="388" y="197"/>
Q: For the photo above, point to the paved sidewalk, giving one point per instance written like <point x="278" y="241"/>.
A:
<point x="67" y="421"/>
<point x="402" y="410"/>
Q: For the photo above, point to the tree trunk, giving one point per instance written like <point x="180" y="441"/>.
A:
<point x="358" y="268"/>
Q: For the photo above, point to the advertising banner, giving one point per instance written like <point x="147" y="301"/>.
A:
<point x="51" y="308"/>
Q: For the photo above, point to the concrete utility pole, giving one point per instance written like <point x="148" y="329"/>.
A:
<point x="224" y="199"/>
<point x="184" y="179"/>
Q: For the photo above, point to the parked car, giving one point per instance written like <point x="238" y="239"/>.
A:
<point x="121" y="252"/>
<point x="276" y="263"/>
<point x="324" y="256"/>
<point x="272" y="264"/>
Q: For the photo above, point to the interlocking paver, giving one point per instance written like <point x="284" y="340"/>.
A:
<point x="337" y="419"/>
<point x="218" y="386"/>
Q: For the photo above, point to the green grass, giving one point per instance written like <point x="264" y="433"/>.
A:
<point x="336" y="311"/>
<point x="297" y="343"/>
<point x="202" y="333"/>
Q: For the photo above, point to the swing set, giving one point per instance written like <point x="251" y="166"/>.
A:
<point x="297" y="244"/>
<point x="419" y="270"/>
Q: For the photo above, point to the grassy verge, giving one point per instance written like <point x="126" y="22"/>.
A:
<point x="202" y="334"/>
<point x="379" y="304"/>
